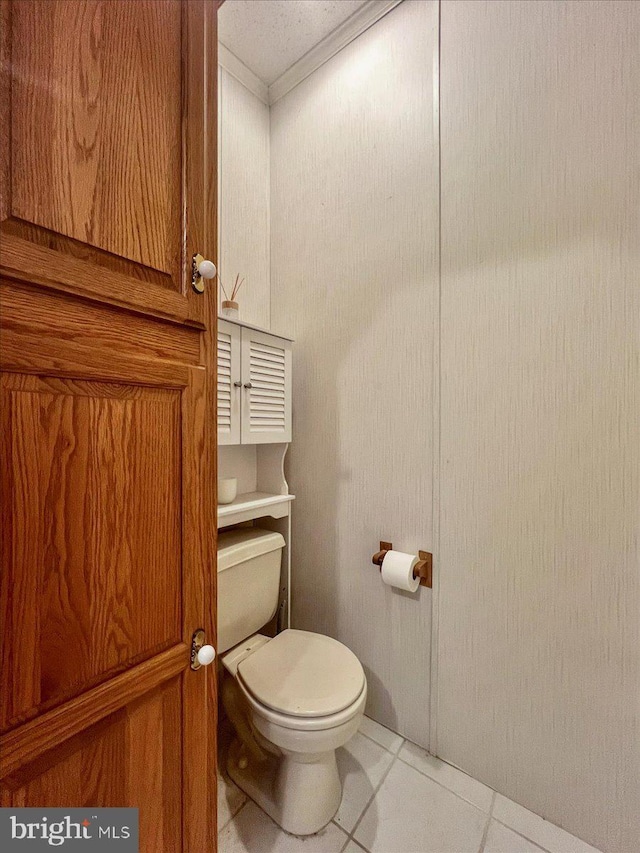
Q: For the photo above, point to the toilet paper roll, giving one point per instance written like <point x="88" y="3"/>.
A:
<point x="397" y="570"/>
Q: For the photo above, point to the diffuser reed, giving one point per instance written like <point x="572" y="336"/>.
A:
<point x="229" y="304"/>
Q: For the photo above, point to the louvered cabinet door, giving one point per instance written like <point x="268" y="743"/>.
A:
<point x="266" y="391"/>
<point x="229" y="376"/>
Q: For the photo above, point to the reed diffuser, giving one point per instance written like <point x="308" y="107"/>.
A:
<point x="230" y="307"/>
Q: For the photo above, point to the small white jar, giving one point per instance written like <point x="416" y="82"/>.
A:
<point x="227" y="490"/>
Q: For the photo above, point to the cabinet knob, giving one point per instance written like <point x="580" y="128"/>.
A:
<point x="248" y="385"/>
<point x="237" y="384"/>
<point x="201" y="269"/>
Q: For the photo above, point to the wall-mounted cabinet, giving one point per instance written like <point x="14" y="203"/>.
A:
<point x="254" y="385"/>
<point x="254" y="432"/>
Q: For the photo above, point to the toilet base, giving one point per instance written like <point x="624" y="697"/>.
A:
<point x="300" y="792"/>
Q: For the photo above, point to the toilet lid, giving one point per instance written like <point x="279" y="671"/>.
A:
<point x="303" y="674"/>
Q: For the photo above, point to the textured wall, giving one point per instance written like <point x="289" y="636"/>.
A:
<point x="244" y="197"/>
<point x="355" y="281"/>
<point x="539" y="651"/>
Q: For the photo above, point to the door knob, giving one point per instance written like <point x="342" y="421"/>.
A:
<point x="206" y="655"/>
<point x="201" y="654"/>
<point x="201" y="269"/>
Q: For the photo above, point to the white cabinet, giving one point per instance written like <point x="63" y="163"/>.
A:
<point x="254" y="432"/>
<point x="254" y="386"/>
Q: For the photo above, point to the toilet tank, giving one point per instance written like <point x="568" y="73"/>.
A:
<point x="248" y="582"/>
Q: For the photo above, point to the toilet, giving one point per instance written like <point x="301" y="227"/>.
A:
<point x="293" y="699"/>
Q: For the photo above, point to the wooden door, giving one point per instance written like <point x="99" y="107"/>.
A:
<point x="108" y="419"/>
<point x="266" y="388"/>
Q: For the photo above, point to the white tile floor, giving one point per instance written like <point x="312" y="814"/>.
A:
<point x="396" y="799"/>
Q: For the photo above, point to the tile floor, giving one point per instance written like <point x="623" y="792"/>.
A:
<point x="396" y="799"/>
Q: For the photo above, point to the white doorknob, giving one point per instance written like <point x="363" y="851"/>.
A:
<point x="206" y="655"/>
<point x="201" y="270"/>
<point x="201" y="654"/>
<point x="207" y="269"/>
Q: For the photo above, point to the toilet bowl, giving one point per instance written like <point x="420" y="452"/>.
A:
<point x="293" y="699"/>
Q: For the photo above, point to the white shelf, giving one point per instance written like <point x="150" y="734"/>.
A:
<point x="252" y="505"/>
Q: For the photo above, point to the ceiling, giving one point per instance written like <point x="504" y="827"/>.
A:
<point x="269" y="36"/>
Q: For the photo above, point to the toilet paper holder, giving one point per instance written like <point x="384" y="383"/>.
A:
<point x="423" y="569"/>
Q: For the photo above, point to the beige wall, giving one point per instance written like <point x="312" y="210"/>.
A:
<point x="539" y="647"/>
<point x="244" y="197"/>
<point x="354" y="280"/>
<point x="536" y="485"/>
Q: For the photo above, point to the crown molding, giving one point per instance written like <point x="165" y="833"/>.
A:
<point x="365" y="17"/>
<point x="230" y="62"/>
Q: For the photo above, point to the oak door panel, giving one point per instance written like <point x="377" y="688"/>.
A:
<point x="95" y="143"/>
<point x="28" y="312"/>
<point x="107" y="189"/>
<point x="67" y="773"/>
<point x="107" y="119"/>
<point x="93" y="469"/>
<point x="131" y="754"/>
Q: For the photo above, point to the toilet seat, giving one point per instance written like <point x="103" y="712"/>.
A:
<point x="302" y="680"/>
<point x="300" y="725"/>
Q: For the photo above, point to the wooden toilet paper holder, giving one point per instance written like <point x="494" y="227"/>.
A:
<point x="423" y="569"/>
